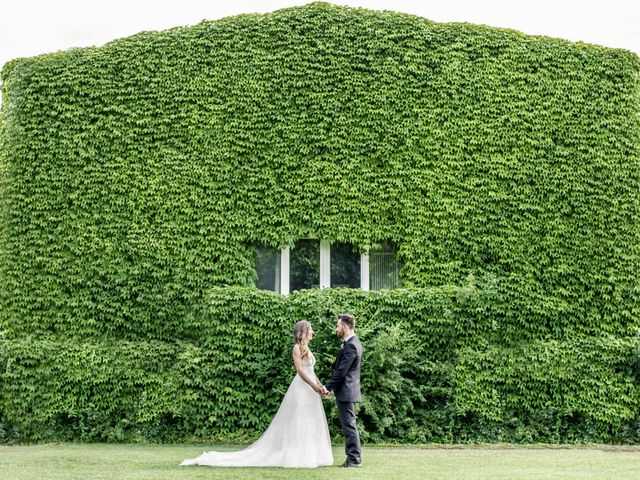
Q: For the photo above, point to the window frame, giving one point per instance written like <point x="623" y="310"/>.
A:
<point x="325" y="268"/>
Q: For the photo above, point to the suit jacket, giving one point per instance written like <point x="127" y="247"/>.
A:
<point x="345" y="381"/>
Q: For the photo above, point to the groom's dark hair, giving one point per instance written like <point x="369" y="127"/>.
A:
<point x="348" y="320"/>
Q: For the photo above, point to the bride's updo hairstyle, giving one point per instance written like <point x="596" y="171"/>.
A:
<point x="301" y="336"/>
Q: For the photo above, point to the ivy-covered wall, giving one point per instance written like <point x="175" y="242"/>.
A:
<point x="136" y="176"/>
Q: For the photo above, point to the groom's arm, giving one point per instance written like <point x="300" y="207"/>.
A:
<point x="348" y="356"/>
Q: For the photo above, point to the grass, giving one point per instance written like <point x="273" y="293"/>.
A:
<point x="496" y="462"/>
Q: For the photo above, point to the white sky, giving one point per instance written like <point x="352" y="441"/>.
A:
<point x="32" y="27"/>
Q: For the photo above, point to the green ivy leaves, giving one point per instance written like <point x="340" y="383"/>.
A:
<point x="436" y="369"/>
<point x="136" y="177"/>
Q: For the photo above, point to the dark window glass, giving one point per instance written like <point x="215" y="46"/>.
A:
<point x="304" y="265"/>
<point x="345" y="266"/>
<point x="268" y="268"/>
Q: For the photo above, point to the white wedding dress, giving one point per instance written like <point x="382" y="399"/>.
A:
<point x="298" y="435"/>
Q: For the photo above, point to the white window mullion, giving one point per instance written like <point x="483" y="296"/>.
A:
<point x="364" y="271"/>
<point x="325" y="264"/>
<point x="284" y="271"/>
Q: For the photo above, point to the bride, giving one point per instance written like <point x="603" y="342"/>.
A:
<point x="298" y="435"/>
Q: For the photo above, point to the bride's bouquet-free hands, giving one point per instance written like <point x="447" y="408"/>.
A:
<point x="324" y="393"/>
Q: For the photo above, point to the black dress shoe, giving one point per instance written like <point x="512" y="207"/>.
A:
<point x="351" y="465"/>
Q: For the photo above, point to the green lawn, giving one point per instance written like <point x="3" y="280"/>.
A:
<point x="133" y="461"/>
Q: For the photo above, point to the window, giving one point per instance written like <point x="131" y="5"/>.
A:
<point x="383" y="267"/>
<point x="304" y="265"/>
<point x="345" y="266"/>
<point x="268" y="268"/>
<point x="312" y="263"/>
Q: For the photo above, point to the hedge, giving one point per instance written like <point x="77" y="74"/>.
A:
<point x="427" y="376"/>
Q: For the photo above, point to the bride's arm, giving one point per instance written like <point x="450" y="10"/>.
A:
<point x="297" y="361"/>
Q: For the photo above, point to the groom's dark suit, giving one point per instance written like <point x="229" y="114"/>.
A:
<point x="345" y="384"/>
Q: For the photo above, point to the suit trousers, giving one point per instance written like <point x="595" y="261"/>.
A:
<point x="347" y="412"/>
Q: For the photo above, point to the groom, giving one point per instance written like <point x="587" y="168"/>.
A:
<point x="345" y="384"/>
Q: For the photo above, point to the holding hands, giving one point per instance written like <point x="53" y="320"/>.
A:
<point x="322" y="391"/>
